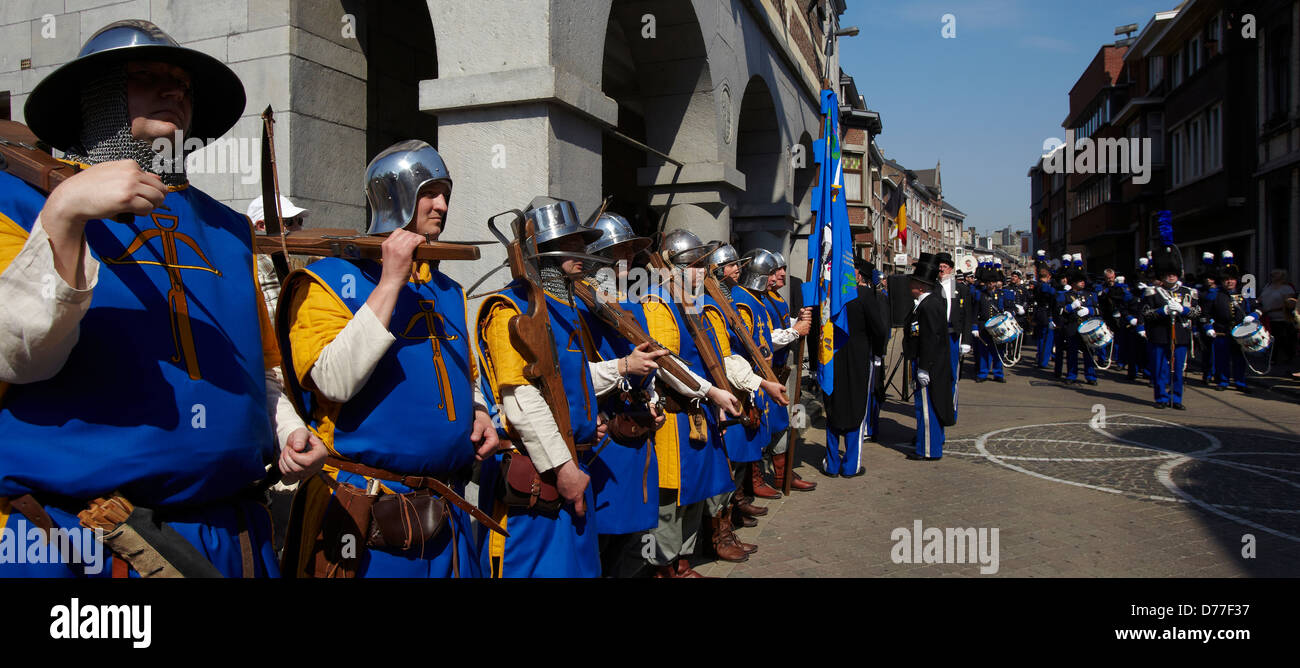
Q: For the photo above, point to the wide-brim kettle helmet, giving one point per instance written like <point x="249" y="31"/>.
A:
<point x="684" y="249"/>
<point x="760" y="264"/>
<point x="555" y="219"/>
<point x="614" y="231"/>
<point x="394" y="180"/>
<point x="53" y="111"/>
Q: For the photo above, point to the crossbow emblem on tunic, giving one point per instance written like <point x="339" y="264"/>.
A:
<point x="434" y="330"/>
<point x="182" y="332"/>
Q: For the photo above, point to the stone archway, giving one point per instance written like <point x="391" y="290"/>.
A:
<point x="397" y="40"/>
<point x="762" y="214"/>
<point x="657" y="71"/>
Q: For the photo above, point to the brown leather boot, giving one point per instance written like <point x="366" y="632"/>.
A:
<point x="742" y="504"/>
<point x="683" y="569"/>
<point x="724" y="540"/>
<point x="739" y="519"/>
<point x="778" y="476"/>
<point x="749" y="548"/>
<point x="758" y="487"/>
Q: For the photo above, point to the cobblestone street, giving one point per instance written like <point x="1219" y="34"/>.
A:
<point x="1139" y="492"/>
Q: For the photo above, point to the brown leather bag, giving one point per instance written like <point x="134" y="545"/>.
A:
<point x="525" y="487"/>
<point x="406" y="521"/>
<point x="355" y="521"/>
<point x="631" y="422"/>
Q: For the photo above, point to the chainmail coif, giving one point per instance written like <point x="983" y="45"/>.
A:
<point x="106" y="131"/>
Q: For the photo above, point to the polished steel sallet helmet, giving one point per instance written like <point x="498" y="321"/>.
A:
<point x="614" y="230"/>
<point x="394" y="179"/>
<point x="759" y="265"/>
<point x="684" y="248"/>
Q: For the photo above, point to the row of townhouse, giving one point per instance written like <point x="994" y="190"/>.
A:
<point x="1211" y="87"/>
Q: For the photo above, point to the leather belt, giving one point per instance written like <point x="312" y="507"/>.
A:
<point x="418" y="482"/>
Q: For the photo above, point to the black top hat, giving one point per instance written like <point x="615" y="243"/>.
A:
<point x="926" y="269"/>
<point x="944" y="258"/>
<point x="1229" y="271"/>
<point x="864" y="267"/>
<point x="1076" y="275"/>
<point x="53" y="110"/>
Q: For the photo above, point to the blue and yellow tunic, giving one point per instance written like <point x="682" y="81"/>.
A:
<point x="778" y="312"/>
<point x="624" y="477"/>
<point x="746" y="444"/>
<point x="559" y="544"/>
<point x="414" y="415"/>
<point x="695" y="469"/>
<point x="164" y="396"/>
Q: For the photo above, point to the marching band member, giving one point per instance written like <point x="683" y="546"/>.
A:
<point x="991" y="303"/>
<point x="1168" y="311"/>
<point x="1077" y="305"/>
<point x="1230" y="310"/>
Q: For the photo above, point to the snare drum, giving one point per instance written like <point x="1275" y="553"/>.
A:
<point x="1095" y="333"/>
<point x="1252" y="337"/>
<point x="1003" y="328"/>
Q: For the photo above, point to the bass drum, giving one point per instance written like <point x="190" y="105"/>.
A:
<point x="1252" y="337"/>
<point x="1095" y="333"/>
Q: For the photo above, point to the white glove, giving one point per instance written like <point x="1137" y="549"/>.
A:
<point x="922" y="378"/>
<point x="1171" y="309"/>
<point x="876" y="361"/>
<point x="975" y="333"/>
<point x="1074" y="305"/>
<point x="1051" y="324"/>
<point x="1132" y="321"/>
<point x="1210" y="333"/>
<point x="1083" y="312"/>
<point x="1248" y="319"/>
<point x="965" y="349"/>
<point x="1143" y="333"/>
<point x="1115" y="315"/>
<point x="1020" y="310"/>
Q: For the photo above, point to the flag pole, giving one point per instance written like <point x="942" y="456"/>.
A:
<point x="790" y="434"/>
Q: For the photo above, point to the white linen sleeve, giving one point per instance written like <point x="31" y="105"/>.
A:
<point x="345" y="364"/>
<point x="40" y="314"/>
<point x="531" y="418"/>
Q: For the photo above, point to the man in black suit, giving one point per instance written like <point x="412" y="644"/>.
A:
<point x="858" y="375"/>
<point x="959" y="307"/>
<point x="927" y="344"/>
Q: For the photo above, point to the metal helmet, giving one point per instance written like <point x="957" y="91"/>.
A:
<point x="54" y="114"/>
<point x="725" y="254"/>
<point x="394" y="179"/>
<point x="780" y="260"/>
<point x="554" y="219"/>
<point x="615" y="230"/>
<point x="684" y="248"/>
<point x="759" y="265"/>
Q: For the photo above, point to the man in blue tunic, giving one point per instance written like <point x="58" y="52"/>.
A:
<point x="382" y="362"/>
<point x="121" y="340"/>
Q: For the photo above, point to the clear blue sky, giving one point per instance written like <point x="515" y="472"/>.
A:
<point x="983" y="102"/>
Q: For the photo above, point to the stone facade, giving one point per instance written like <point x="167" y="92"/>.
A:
<point x="522" y="98"/>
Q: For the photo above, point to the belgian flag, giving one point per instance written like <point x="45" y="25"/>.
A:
<point x="896" y="207"/>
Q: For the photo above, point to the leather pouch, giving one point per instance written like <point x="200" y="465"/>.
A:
<point x="525" y="487"/>
<point x="406" y="521"/>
